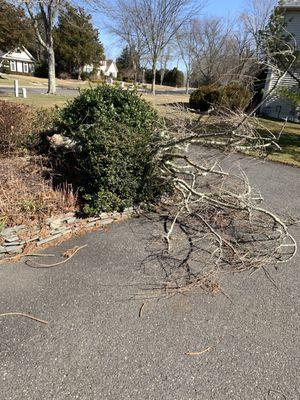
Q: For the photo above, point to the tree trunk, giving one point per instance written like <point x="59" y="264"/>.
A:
<point x="162" y="75"/>
<point x="51" y="72"/>
<point x="134" y="71"/>
<point x="187" y="85"/>
<point x="79" y="73"/>
<point x="154" y="78"/>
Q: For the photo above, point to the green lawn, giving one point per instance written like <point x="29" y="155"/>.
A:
<point x="38" y="100"/>
<point x="289" y="141"/>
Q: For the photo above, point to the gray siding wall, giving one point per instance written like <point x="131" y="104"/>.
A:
<point x="275" y="106"/>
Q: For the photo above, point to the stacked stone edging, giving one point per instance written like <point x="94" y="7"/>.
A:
<point x="14" y="240"/>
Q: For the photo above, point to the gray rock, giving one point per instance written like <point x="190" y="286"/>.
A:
<point x="128" y="212"/>
<point x="56" y="223"/>
<point x="93" y="219"/>
<point x="13" y="230"/>
<point x="91" y="224"/>
<point x="12" y="239"/>
<point x="63" y="231"/>
<point x="20" y="228"/>
<point x="11" y="244"/>
<point x="70" y="220"/>
<point x="48" y="239"/>
<point x="106" y="221"/>
<point x="7" y="232"/>
<point x="33" y="239"/>
<point x="3" y="250"/>
<point x="14" y="249"/>
<point x="70" y="214"/>
<point x="104" y="215"/>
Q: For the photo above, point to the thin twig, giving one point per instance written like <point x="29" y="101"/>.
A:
<point x="197" y="353"/>
<point x="69" y="254"/>
<point x="18" y="314"/>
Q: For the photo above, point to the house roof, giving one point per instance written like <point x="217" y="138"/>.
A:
<point x="9" y="54"/>
<point x="109" y="63"/>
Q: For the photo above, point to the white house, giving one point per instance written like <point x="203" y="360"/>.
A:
<point x="105" y="67"/>
<point x="276" y="106"/>
<point x="18" y="61"/>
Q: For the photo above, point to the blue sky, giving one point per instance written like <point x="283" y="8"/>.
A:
<point x="224" y="7"/>
<point x="218" y="8"/>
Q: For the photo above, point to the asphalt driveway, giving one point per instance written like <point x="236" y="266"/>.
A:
<point x="97" y="346"/>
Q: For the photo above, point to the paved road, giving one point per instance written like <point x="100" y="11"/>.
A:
<point x="41" y="90"/>
<point x="96" y="346"/>
<point x="73" y="92"/>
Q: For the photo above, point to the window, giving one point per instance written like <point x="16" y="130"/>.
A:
<point x="278" y="111"/>
<point x="25" y="67"/>
<point x="13" y="66"/>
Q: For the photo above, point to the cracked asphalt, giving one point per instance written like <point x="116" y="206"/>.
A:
<point x="96" y="346"/>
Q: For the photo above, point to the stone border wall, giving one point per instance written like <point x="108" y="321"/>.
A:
<point x="17" y="239"/>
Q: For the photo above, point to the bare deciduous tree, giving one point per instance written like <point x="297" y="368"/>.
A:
<point x="187" y="46"/>
<point x="255" y="17"/>
<point x="154" y="22"/>
<point x="158" y="22"/>
<point x="121" y="24"/>
<point x="47" y="10"/>
<point x="212" y="50"/>
<point x="163" y="61"/>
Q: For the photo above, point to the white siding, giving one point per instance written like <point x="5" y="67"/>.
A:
<point x="276" y="106"/>
<point x="293" y="24"/>
<point x="19" y="60"/>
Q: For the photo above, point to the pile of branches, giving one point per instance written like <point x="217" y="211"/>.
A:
<point x="214" y="221"/>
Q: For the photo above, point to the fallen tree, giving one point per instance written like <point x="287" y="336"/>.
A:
<point x="214" y="221"/>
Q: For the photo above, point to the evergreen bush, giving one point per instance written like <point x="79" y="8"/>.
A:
<point x="235" y="97"/>
<point x="205" y="97"/>
<point x="113" y="133"/>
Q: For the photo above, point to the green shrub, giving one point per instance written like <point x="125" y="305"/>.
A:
<point x="205" y="97"/>
<point x="235" y="97"/>
<point x="41" y="69"/>
<point x="85" y="76"/>
<point x="113" y="133"/>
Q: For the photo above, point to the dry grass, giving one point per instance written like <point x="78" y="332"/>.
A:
<point x="34" y="82"/>
<point x="289" y="141"/>
<point x="169" y="105"/>
<point x="25" y="196"/>
<point x="38" y="100"/>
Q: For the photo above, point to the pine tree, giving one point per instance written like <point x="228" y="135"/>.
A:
<point x="76" y="41"/>
<point x="15" y="27"/>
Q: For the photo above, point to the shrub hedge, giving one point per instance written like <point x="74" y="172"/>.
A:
<point x="113" y="133"/>
<point x="205" y="97"/>
<point x="233" y="96"/>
